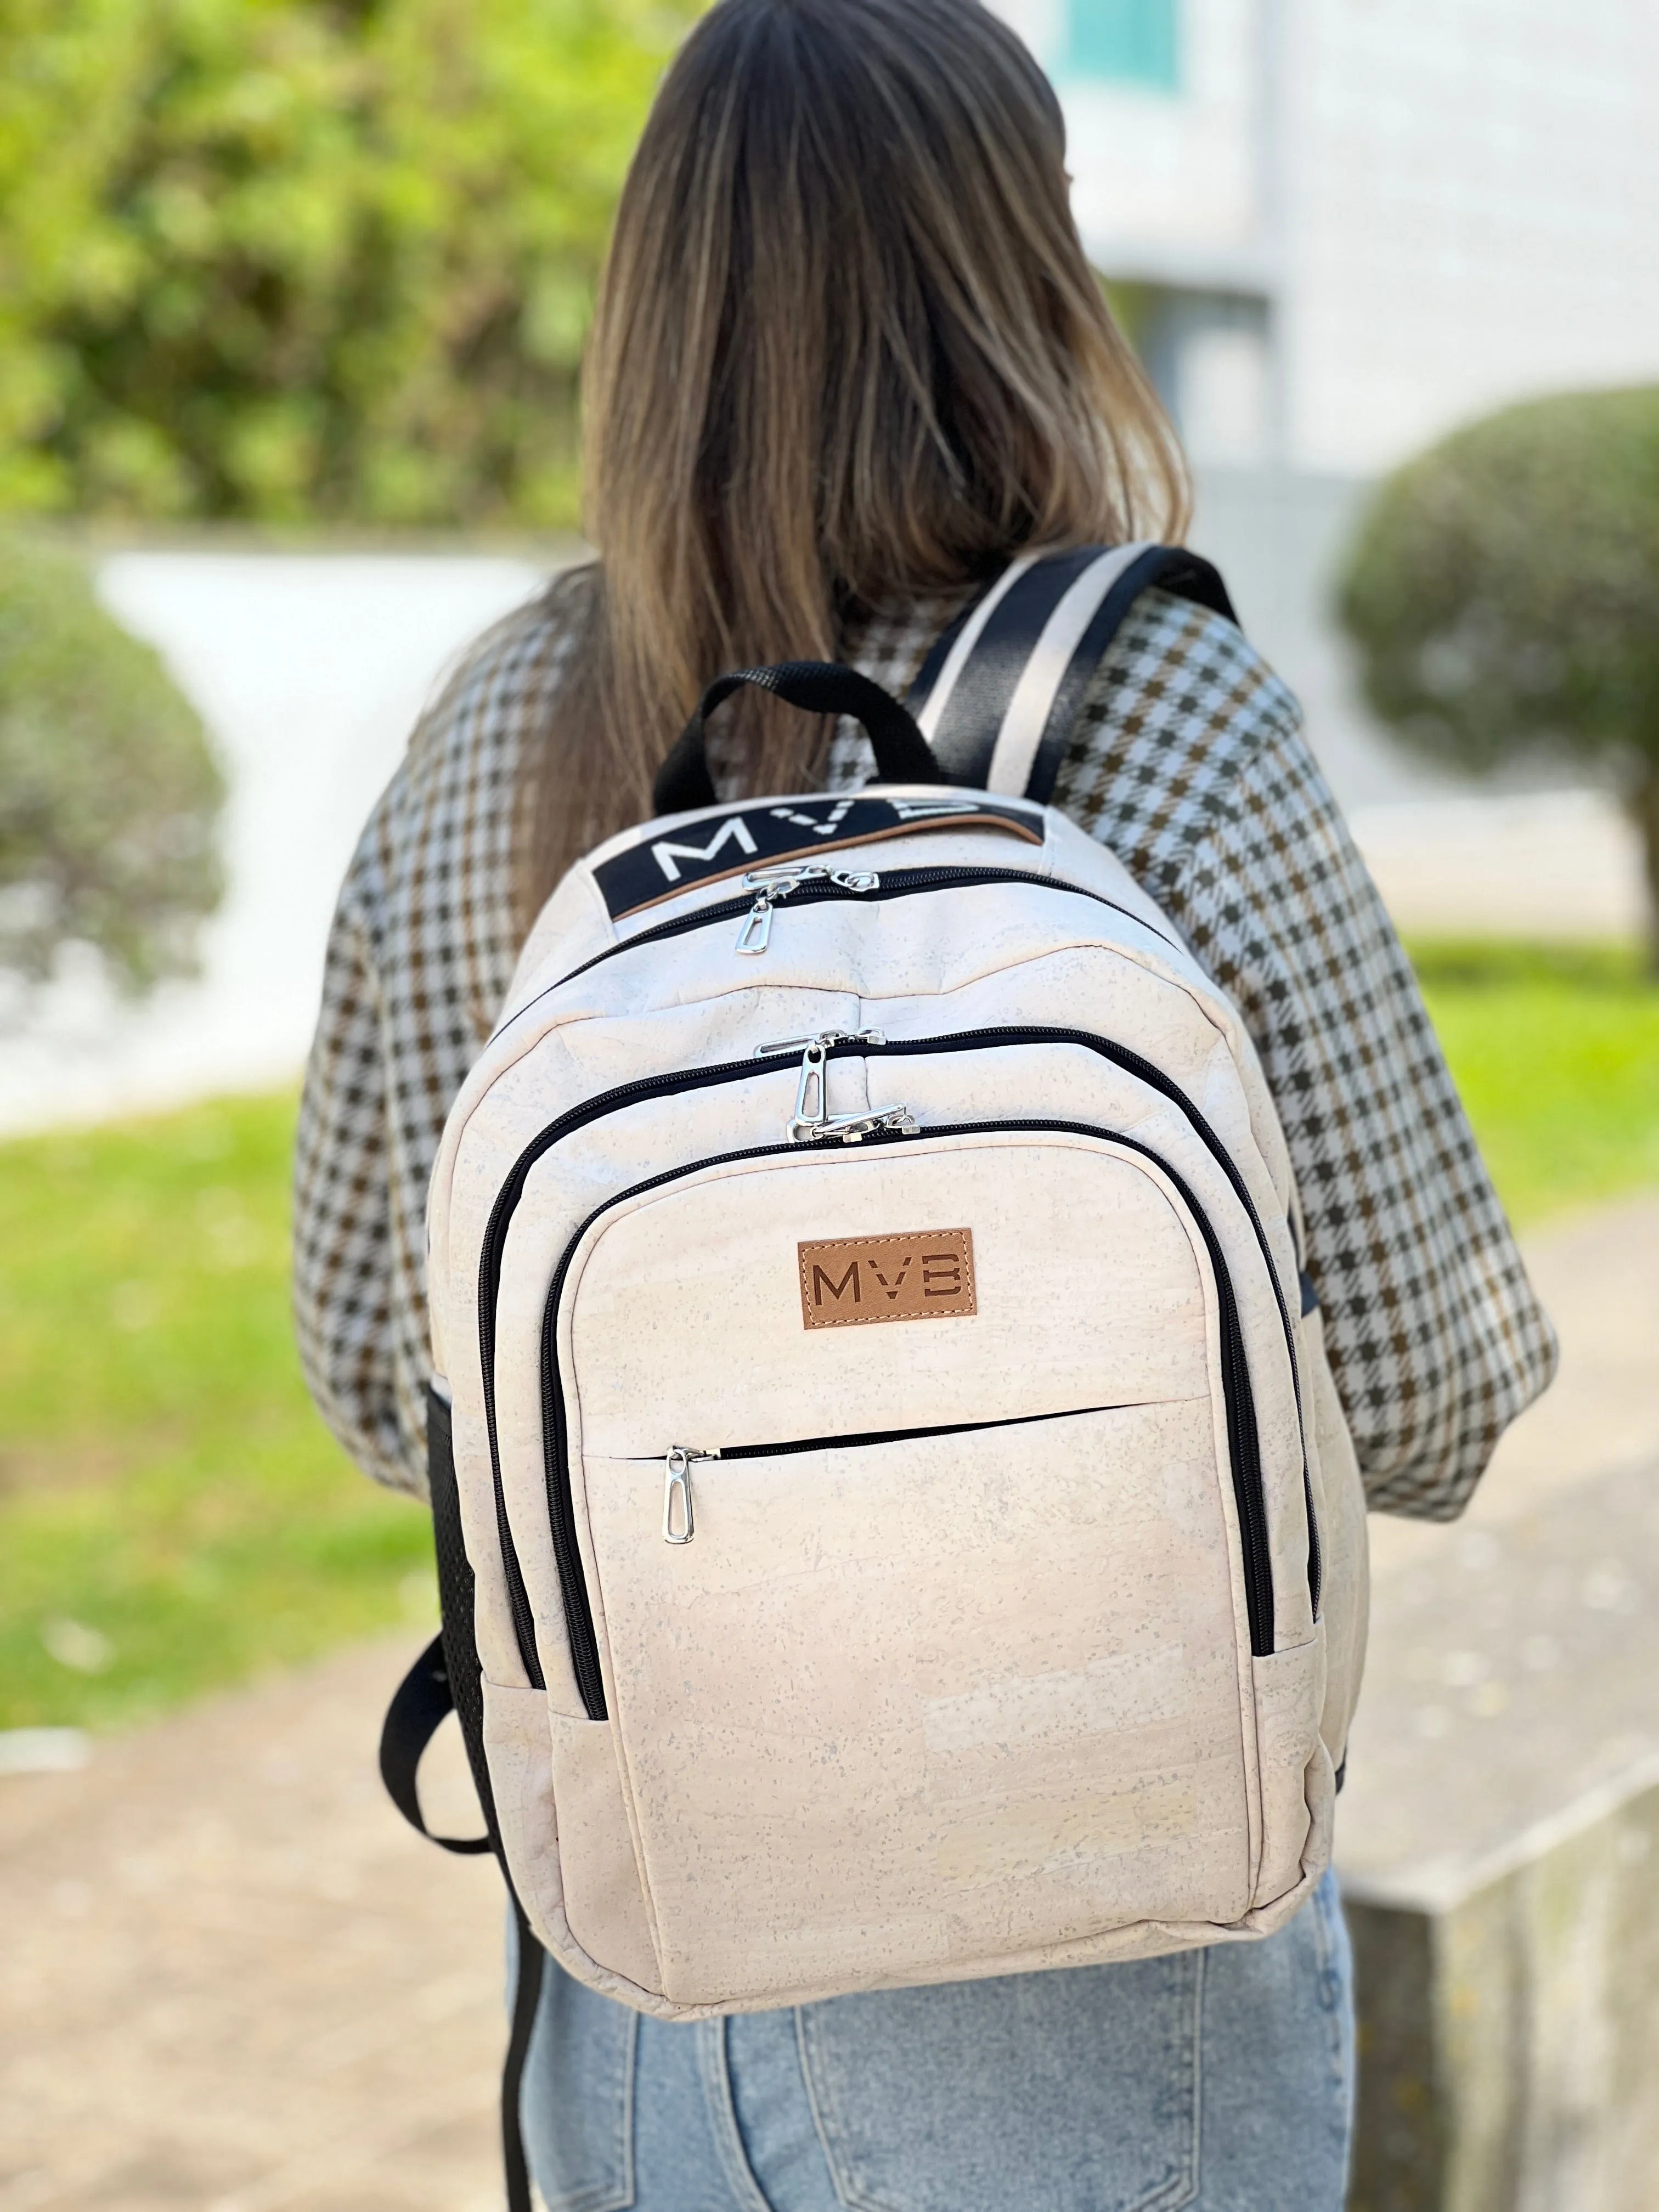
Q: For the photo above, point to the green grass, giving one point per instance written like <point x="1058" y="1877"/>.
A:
<point x="173" y="1513"/>
<point x="1556" y="1052"/>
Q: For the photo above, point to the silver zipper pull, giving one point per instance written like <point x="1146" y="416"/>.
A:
<point x="774" y="1046"/>
<point x="756" y="932"/>
<point x="678" y="1477"/>
<point x="769" y="885"/>
<point x="811" y="1097"/>
<point x="772" y="885"/>
<point x="854" y="1128"/>
<point x="812" y="1121"/>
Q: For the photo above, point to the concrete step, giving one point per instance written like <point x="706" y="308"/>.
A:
<point x="1498" y="1837"/>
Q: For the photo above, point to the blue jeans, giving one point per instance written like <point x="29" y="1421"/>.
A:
<point x="1218" y="2080"/>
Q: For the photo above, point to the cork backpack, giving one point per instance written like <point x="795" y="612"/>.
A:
<point x="882" y="1455"/>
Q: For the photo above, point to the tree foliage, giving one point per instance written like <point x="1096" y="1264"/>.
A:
<point x="297" y="260"/>
<point x="109" y="796"/>
<point x="1504" y="591"/>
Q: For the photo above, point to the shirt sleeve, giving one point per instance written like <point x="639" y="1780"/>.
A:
<point x="419" y="957"/>
<point x="342" y="1228"/>
<point x="1189" y="761"/>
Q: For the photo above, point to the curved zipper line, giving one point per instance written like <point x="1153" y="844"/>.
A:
<point x="1243" y="1437"/>
<point x="721" y="1072"/>
<point x="1149" y="1072"/>
<point x="561" y="1512"/>
<point x="490" y="1277"/>
<point x="1243" y="1440"/>
<point x="897" y="883"/>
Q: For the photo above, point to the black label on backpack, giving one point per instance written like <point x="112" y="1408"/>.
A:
<point x="767" y="834"/>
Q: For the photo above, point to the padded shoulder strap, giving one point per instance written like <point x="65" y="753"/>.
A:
<point x="1000" y="691"/>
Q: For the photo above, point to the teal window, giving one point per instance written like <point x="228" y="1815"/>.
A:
<point x="1130" y="41"/>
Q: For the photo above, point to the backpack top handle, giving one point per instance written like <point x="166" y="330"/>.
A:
<point x="816" y="687"/>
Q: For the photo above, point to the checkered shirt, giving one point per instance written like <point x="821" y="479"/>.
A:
<point x="1188" y="760"/>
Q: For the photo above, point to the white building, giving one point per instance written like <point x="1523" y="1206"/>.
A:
<point x="1337" y="229"/>
<point x="1359" y="222"/>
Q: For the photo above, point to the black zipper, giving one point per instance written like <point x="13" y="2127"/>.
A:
<point x="1149" y="1072"/>
<point x="897" y="883"/>
<point x="732" y="1071"/>
<point x="1243" y="1441"/>
<point x="489" y="1281"/>
<point x="867" y="1436"/>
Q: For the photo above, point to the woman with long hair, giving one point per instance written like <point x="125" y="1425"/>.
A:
<point x="849" y="360"/>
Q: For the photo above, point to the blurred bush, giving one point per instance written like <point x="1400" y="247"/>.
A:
<point x="1503" y="592"/>
<point x="288" y="260"/>
<point x="109" y="797"/>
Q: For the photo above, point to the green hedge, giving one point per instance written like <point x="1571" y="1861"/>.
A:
<point x="109" y="795"/>
<point x="1503" y="593"/>
<point x="289" y="260"/>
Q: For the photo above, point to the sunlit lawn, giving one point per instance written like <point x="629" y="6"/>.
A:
<point x="173" y="1515"/>
<point x="1556" y="1051"/>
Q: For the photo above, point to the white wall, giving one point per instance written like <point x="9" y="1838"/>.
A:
<point x="311" y="669"/>
<point x="1168" y="187"/>
<point x="1472" y="212"/>
<point x="1448" y="203"/>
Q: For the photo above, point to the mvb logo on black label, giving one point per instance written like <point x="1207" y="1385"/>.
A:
<point x="927" y="1276"/>
<point x="763" y="836"/>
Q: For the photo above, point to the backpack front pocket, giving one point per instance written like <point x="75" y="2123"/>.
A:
<point x="900" y="1707"/>
<point x="921" y="1696"/>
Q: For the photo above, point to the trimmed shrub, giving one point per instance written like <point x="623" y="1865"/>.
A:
<point x="1503" y="592"/>
<point x="109" y="795"/>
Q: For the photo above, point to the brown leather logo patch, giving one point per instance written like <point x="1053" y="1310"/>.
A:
<point x="928" y="1276"/>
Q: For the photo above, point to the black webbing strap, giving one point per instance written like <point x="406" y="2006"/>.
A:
<point x="1173" y="570"/>
<point x="422" y="1702"/>
<point x="447" y="1678"/>
<point x="455" y="1600"/>
<point x="527" y="1997"/>
<point x="816" y="687"/>
<point x="967" y="732"/>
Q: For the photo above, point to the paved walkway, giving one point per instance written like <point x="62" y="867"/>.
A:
<point x="232" y="1981"/>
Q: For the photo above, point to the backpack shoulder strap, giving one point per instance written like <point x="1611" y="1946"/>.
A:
<point x="997" y="694"/>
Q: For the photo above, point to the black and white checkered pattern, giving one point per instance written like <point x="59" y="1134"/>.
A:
<point x="1188" y="761"/>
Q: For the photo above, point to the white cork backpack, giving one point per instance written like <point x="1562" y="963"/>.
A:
<point x="894" y="1521"/>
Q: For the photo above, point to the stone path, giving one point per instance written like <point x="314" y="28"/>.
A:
<point x="232" y="1981"/>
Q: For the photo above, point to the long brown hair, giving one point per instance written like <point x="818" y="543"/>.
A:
<point x="848" y="347"/>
